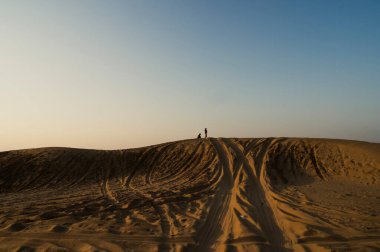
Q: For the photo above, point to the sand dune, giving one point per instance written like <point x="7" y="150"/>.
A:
<point x="269" y="194"/>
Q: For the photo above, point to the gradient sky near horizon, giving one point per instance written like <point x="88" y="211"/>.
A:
<point x="122" y="74"/>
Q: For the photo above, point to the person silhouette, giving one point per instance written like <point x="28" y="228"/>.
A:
<point x="199" y="136"/>
<point x="205" y="132"/>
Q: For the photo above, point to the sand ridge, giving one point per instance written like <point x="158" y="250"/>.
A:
<point x="215" y="194"/>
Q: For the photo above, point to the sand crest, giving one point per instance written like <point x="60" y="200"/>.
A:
<point x="225" y="194"/>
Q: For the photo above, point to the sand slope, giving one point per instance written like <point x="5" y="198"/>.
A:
<point x="272" y="194"/>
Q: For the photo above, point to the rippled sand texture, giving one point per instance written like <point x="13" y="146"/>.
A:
<point x="269" y="194"/>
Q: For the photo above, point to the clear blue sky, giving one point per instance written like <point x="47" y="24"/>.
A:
<point x="121" y="74"/>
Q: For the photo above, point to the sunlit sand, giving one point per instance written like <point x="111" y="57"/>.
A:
<point x="223" y="194"/>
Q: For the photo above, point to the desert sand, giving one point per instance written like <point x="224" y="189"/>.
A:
<point x="216" y="194"/>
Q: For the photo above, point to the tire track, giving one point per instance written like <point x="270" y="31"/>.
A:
<point x="261" y="200"/>
<point x="215" y="226"/>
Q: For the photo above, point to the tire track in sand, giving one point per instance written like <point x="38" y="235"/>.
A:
<point x="216" y="225"/>
<point x="151" y="155"/>
<point x="261" y="199"/>
<point x="218" y="228"/>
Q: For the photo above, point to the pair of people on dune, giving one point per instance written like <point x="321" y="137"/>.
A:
<point x="200" y="136"/>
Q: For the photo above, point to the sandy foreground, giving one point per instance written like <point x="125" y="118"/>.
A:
<point x="225" y="194"/>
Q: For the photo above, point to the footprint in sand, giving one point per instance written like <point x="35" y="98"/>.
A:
<point x="61" y="228"/>
<point x="25" y="249"/>
<point x="17" y="226"/>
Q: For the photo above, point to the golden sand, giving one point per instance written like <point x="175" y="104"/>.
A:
<point x="268" y="194"/>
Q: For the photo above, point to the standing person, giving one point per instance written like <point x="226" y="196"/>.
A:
<point x="205" y="132"/>
<point x="199" y="136"/>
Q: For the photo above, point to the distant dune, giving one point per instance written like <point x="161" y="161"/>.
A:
<point x="225" y="194"/>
